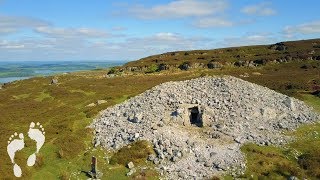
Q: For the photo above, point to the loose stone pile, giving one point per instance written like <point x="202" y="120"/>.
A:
<point x="197" y="126"/>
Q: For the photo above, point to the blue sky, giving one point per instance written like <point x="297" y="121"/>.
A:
<point x="129" y="30"/>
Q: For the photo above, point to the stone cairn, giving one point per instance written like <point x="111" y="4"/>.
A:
<point x="197" y="126"/>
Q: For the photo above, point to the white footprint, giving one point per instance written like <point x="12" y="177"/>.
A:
<point x="15" y="144"/>
<point x="36" y="133"/>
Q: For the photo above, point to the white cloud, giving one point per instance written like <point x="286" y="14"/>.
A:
<point x="50" y="42"/>
<point x="71" y="32"/>
<point x="10" y="45"/>
<point x="166" y="37"/>
<point x="201" y="13"/>
<point x="71" y="48"/>
<point x="26" y="44"/>
<point x="12" y="24"/>
<point x="167" y="42"/>
<point x="261" y="9"/>
<point x="180" y="9"/>
<point x="210" y="22"/>
<point x="306" y="28"/>
<point x="160" y="43"/>
<point x="248" y="39"/>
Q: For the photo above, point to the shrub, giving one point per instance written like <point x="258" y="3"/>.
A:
<point x="163" y="66"/>
<point x="215" y="178"/>
<point x="64" y="175"/>
<point x="71" y="144"/>
<point x="260" y="61"/>
<point x="316" y="93"/>
<point x="153" y="68"/>
<point x="239" y="63"/>
<point x="311" y="163"/>
<point x="136" y="152"/>
<point x="185" y="66"/>
<point x="113" y="70"/>
<point x="203" y="74"/>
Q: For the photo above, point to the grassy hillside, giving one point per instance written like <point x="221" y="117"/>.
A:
<point x="63" y="111"/>
<point x="235" y="56"/>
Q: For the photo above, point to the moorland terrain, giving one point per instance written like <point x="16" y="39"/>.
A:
<point x="291" y="68"/>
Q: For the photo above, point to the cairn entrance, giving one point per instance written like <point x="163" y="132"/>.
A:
<point x="195" y="116"/>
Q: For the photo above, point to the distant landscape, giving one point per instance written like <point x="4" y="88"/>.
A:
<point x="11" y="71"/>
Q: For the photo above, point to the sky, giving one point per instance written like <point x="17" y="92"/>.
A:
<point x="130" y="30"/>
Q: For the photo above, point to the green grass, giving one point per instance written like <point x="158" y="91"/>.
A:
<point x="43" y="96"/>
<point x="21" y="96"/>
<point x="312" y="101"/>
<point x="269" y="163"/>
<point x="62" y="111"/>
<point x="81" y="91"/>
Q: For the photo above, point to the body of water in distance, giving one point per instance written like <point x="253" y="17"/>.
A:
<point x="13" y="71"/>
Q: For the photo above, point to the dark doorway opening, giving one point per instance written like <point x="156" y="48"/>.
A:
<point x="195" y="116"/>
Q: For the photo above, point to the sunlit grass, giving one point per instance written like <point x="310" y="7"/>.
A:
<point x="312" y="101"/>
<point x="21" y="96"/>
<point x="42" y="96"/>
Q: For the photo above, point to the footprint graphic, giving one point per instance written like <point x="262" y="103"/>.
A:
<point x="36" y="133"/>
<point x="15" y="144"/>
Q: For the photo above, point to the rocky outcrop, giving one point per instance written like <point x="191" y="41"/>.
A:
<point x="249" y="56"/>
<point x="214" y="65"/>
<point x="54" y="81"/>
<point x="278" y="47"/>
<point x="316" y="58"/>
<point x="163" y="66"/>
<point x="198" y="126"/>
<point x="185" y="66"/>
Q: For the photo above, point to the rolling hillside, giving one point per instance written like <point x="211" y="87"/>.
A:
<point x="247" y="56"/>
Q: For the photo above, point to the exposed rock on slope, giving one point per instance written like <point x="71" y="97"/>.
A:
<point x="246" y="56"/>
<point x="197" y="126"/>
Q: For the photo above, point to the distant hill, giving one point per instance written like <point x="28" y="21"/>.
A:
<point x="250" y="56"/>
